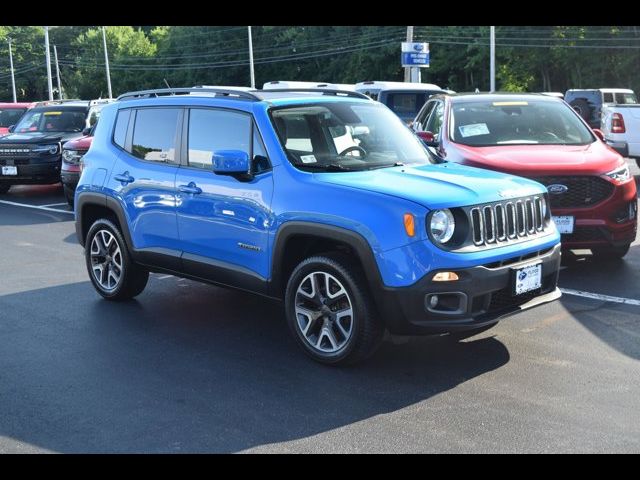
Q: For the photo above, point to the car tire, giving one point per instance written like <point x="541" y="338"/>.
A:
<point x="4" y="187"/>
<point x="105" y="249"/>
<point x="582" y="107"/>
<point x="457" y="336"/>
<point x="69" y="195"/>
<point x="610" y="253"/>
<point x="330" y="311"/>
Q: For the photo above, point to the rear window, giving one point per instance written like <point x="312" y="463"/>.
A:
<point x="406" y="104"/>
<point x="626" y="98"/>
<point x="10" y="116"/>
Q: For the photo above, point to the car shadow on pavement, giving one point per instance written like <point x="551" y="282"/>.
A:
<point x="193" y="368"/>
<point x="619" y="327"/>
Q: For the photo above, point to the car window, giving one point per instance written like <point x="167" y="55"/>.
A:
<point x="607" y="97"/>
<point x="10" y="116"/>
<point x="211" y="130"/>
<point x="434" y="124"/>
<point x="346" y="136"/>
<point x="406" y="104"/>
<point x="526" y="121"/>
<point x="154" y="135"/>
<point x="120" y="130"/>
<point x="52" y="121"/>
<point x="626" y="98"/>
<point x="260" y="158"/>
<point x="424" y="115"/>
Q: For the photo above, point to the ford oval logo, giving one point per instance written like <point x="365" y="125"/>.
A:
<point x="557" y="189"/>
<point x="418" y="47"/>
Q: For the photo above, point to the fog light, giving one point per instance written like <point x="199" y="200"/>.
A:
<point x="445" y="277"/>
<point x="433" y="302"/>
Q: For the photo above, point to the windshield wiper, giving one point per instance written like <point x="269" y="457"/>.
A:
<point x="386" y="165"/>
<point x="327" y="167"/>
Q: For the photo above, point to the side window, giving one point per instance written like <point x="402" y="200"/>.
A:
<point x="211" y="130"/>
<point x="424" y="115"/>
<point x="607" y="98"/>
<point x="154" y="135"/>
<point x="120" y="130"/>
<point x="260" y="160"/>
<point x="434" y="124"/>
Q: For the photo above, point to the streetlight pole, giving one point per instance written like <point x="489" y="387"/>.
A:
<point x="48" y="56"/>
<point x="55" y="56"/>
<point x="253" y="78"/>
<point x="106" y="61"/>
<point x="492" y="66"/>
<point x="13" y="78"/>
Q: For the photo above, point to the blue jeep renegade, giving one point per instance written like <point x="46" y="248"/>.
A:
<point x="321" y="199"/>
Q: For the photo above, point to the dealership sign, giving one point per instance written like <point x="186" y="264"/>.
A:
<point x="415" y="54"/>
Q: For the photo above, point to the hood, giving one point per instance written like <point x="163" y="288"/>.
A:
<point x="40" y="137"/>
<point x="82" y="143"/>
<point x="538" y="160"/>
<point x="437" y="186"/>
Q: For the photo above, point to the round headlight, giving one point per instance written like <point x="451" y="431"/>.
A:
<point x="442" y="225"/>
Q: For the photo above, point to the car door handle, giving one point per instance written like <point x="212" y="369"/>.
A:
<point x="192" y="188"/>
<point x="124" y="178"/>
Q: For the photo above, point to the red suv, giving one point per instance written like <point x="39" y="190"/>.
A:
<point x="10" y="113"/>
<point x="591" y="191"/>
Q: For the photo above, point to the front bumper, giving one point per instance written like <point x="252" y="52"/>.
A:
<point x="34" y="172"/>
<point x="70" y="178"/>
<point x="603" y="224"/>
<point x="486" y="294"/>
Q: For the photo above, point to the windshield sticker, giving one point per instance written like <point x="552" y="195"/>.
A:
<point x="53" y="113"/>
<point x="473" y="129"/>
<point x="308" y="159"/>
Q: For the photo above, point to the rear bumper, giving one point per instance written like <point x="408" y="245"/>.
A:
<point x="484" y="293"/>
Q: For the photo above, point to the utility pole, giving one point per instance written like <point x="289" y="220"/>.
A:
<point x="253" y="78"/>
<point x="55" y="56"/>
<point x="48" y="56"/>
<point x="13" y="78"/>
<point x="407" y="70"/>
<point x="106" y="61"/>
<point x="492" y="66"/>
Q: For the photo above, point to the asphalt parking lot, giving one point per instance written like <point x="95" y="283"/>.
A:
<point x="188" y="367"/>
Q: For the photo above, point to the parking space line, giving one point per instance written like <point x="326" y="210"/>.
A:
<point x="48" y="209"/>
<point x="598" y="296"/>
<point x="54" y="204"/>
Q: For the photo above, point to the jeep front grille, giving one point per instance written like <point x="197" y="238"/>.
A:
<point x="509" y="220"/>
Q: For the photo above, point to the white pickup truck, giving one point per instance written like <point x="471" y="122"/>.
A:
<point x="615" y="111"/>
<point x="621" y="128"/>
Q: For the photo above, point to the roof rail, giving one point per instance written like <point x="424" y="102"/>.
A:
<point x="185" y="91"/>
<point x="323" y="91"/>
<point x="44" y="103"/>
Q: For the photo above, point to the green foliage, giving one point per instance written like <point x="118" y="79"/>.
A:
<point x="533" y="58"/>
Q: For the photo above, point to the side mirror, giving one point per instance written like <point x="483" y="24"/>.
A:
<point x="86" y="131"/>
<point x="599" y="133"/>
<point x="231" y="162"/>
<point x="428" y="138"/>
<point x="11" y="128"/>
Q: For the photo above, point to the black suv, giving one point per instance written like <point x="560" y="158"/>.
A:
<point x="32" y="152"/>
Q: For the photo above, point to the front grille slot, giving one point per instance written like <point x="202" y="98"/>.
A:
<point x="501" y="222"/>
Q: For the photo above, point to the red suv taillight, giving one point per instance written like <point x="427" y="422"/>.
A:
<point x="617" y="123"/>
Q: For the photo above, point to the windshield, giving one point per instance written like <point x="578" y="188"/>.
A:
<point x="52" y="121"/>
<point x="346" y="136"/>
<point x="497" y="122"/>
<point x="10" y="116"/>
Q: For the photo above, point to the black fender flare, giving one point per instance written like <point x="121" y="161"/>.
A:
<point x="329" y="232"/>
<point x="105" y="201"/>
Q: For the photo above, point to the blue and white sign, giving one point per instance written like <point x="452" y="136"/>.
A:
<point x="415" y="54"/>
